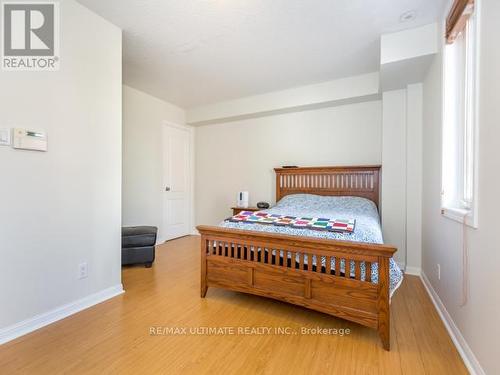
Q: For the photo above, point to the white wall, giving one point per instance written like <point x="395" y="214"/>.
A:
<point x="405" y="56"/>
<point x="394" y="171"/>
<point x="408" y="44"/>
<point x="241" y="155"/>
<point x="414" y="133"/>
<point x="402" y="174"/>
<point x="143" y="116"/>
<point x="62" y="207"/>
<point x="442" y="238"/>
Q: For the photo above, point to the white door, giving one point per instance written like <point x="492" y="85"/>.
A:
<point x="176" y="181"/>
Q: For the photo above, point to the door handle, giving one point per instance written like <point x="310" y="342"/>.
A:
<point x="167" y="188"/>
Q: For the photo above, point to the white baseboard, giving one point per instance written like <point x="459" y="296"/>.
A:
<point x="463" y="348"/>
<point x="416" y="271"/>
<point x="408" y="270"/>
<point x="32" y="324"/>
<point x="194" y="232"/>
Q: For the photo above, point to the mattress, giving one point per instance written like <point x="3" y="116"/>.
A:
<point x="367" y="229"/>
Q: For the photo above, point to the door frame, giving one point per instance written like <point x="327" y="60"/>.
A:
<point x="190" y="192"/>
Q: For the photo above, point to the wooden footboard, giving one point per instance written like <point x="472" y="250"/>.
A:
<point x="289" y="268"/>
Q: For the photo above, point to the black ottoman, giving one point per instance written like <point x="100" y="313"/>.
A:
<point x="138" y="245"/>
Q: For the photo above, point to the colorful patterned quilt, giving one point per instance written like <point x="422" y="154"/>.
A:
<point x="261" y="217"/>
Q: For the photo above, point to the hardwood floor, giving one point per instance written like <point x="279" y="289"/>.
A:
<point x="114" y="336"/>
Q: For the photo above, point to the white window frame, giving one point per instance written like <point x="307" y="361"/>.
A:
<point x="460" y="190"/>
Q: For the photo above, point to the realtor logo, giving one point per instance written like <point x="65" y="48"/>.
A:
<point x="30" y="36"/>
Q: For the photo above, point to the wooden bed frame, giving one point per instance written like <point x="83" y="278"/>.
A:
<point x="230" y="259"/>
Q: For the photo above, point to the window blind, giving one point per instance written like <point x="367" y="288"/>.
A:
<point x="456" y="21"/>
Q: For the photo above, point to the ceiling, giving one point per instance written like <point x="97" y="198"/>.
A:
<point x="197" y="52"/>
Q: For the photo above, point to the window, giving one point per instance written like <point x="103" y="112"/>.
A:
<point x="459" y="120"/>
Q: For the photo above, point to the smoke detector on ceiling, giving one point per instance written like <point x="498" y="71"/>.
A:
<point x="408" y="16"/>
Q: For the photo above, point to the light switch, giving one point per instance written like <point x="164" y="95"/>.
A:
<point x="5" y="139"/>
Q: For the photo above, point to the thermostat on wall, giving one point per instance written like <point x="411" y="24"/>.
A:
<point x="30" y="139"/>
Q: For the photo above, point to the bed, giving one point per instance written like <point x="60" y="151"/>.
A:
<point x="348" y="275"/>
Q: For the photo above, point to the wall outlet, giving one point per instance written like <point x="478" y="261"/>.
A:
<point x="439" y="271"/>
<point x="83" y="270"/>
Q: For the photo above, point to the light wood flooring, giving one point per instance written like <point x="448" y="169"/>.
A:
<point x="114" y="337"/>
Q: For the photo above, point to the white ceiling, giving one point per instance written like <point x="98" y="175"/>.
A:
<point x="196" y="52"/>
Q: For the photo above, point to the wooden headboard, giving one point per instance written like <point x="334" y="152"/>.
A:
<point x="357" y="181"/>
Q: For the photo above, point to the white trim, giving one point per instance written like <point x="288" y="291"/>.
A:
<point x="408" y="270"/>
<point x="460" y="215"/>
<point x="463" y="348"/>
<point x="32" y="324"/>
<point x="477" y="97"/>
<point x="415" y="271"/>
<point x="178" y="126"/>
